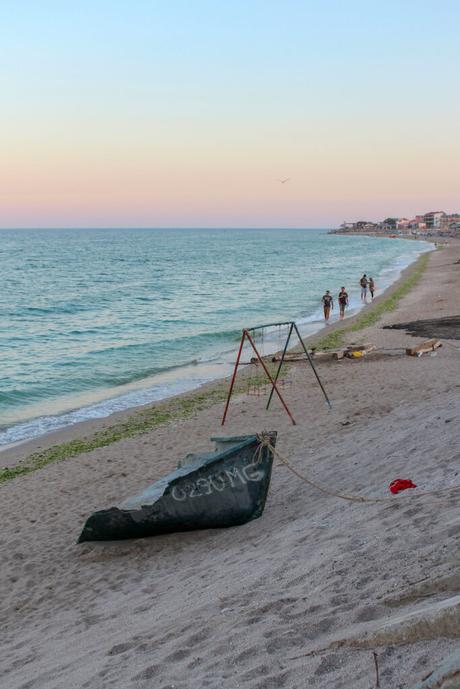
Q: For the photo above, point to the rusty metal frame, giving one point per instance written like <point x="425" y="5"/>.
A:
<point x="246" y="335"/>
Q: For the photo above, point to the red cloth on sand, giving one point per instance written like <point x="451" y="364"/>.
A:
<point x="401" y="484"/>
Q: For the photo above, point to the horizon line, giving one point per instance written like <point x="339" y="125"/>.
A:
<point x="169" y="227"/>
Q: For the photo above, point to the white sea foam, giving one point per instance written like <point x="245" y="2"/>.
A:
<point x="49" y="412"/>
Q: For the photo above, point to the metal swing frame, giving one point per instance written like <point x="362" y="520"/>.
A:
<point x="273" y="381"/>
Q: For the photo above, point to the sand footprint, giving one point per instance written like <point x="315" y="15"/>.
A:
<point x="148" y="673"/>
<point x="121" y="648"/>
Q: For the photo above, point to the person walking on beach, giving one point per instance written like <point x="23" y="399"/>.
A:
<point x="343" y="302"/>
<point x="328" y="305"/>
<point x="364" y="282"/>
<point x="371" y="287"/>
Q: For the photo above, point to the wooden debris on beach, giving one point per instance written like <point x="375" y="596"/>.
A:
<point x="326" y="355"/>
<point x="316" y="356"/>
<point x="351" y="352"/>
<point x="367" y="347"/>
<point x="423" y="347"/>
<point x="289" y="356"/>
<point x="356" y="351"/>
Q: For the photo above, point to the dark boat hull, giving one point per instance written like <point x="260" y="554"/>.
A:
<point x="226" y="488"/>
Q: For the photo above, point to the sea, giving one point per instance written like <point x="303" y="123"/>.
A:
<point x="95" y="321"/>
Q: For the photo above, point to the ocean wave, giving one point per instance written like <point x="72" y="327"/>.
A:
<point x="38" y="426"/>
<point x="185" y="308"/>
<point x="179" y="343"/>
<point x="54" y="310"/>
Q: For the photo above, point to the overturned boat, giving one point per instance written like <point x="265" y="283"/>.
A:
<point x="224" y="488"/>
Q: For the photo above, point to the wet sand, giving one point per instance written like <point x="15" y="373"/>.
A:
<point x="11" y="455"/>
<point x="298" y="598"/>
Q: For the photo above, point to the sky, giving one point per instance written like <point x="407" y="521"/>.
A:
<point x="186" y="113"/>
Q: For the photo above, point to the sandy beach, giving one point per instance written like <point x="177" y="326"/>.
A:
<point x="301" y="597"/>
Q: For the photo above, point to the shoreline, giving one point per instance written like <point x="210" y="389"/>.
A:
<point x="308" y="590"/>
<point x="14" y="454"/>
<point x="433" y="238"/>
<point x="198" y="378"/>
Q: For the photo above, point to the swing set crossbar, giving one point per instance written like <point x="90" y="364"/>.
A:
<point x="268" y="325"/>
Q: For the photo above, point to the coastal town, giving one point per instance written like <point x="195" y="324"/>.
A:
<point x="431" y="224"/>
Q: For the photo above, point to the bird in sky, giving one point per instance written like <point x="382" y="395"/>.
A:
<point x="283" y="181"/>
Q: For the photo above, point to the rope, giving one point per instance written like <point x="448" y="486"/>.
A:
<point x="265" y="442"/>
<point x="449" y="344"/>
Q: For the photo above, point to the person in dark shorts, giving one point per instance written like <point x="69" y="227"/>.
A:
<point x="371" y="287"/>
<point x="343" y="302"/>
<point x="328" y="305"/>
<point x="364" y="282"/>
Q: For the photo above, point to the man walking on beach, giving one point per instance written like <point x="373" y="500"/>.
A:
<point x="343" y="302"/>
<point x="363" y="282"/>
<point x="328" y="305"/>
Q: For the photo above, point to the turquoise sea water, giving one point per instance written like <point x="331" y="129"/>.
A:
<point x="95" y="321"/>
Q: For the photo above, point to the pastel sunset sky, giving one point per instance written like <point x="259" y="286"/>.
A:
<point x="188" y="112"/>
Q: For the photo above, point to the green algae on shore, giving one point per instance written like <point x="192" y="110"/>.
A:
<point x="182" y="407"/>
<point x="138" y="423"/>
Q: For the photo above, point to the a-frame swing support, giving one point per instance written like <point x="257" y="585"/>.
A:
<point x="246" y="335"/>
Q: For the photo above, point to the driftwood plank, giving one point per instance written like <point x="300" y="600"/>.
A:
<point x="363" y="348"/>
<point x="423" y="347"/>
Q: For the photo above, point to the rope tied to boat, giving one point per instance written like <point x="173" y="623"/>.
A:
<point x="264" y="439"/>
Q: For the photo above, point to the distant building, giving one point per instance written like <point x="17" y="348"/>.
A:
<point x="359" y="226"/>
<point x="433" y="219"/>
<point x="417" y="223"/>
<point x="450" y="223"/>
<point x="430" y="224"/>
<point x="365" y="225"/>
